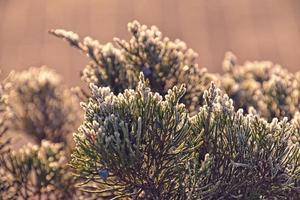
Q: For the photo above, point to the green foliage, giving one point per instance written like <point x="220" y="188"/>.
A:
<point x="134" y="130"/>
<point x="152" y="149"/>
<point x="245" y="156"/>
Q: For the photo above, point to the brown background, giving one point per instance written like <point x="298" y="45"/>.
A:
<point x="252" y="29"/>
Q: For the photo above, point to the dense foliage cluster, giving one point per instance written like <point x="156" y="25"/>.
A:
<point x="263" y="86"/>
<point x="45" y="108"/>
<point x="245" y="156"/>
<point x="219" y="153"/>
<point x="4" y="141"/>
<point x="154" y="126"/>
<point x="37" y="172"/>
<point x="164" y="63"/>
<point x="137" y="129"/>
<point x="4" y="114"/>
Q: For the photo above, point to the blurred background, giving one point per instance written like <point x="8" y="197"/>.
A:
<point x="252" y="29"/>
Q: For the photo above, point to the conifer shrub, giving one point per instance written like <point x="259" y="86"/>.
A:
<point x="137" y="129"/>
<point x="164" y="63"/>
<point x="4" y="114"/>
<point x="45" y="108"/>
<point x="4" y="141"/>
<point x="141" y="145"/>
<point x="37" y="172"/>
<point x="154" y="126"/>
<point x="242" y="156"/>
<point x="263" y="87"/>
